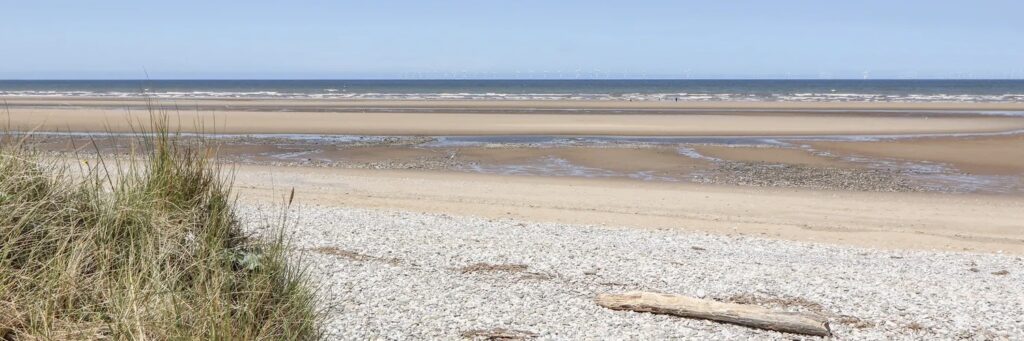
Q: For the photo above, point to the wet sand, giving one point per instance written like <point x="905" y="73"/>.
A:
<point x="715" y="185"/>
<point x="772" y="154"/>
<point x="952" y="164"/>
<point x="481" y="118"/>
<point x="997" y="155"/>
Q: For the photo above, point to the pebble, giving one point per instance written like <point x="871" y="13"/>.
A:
<point x="545" y="276"/>
<point x="763" y="174"/>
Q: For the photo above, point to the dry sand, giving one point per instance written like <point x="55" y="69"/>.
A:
<point x="885" y="220"/>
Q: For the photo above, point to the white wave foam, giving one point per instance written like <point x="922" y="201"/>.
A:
<point x="689" y="97"/>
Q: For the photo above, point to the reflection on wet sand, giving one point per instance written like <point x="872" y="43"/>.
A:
<point x="986" y="163"/>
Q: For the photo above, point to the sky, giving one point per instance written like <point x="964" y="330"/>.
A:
<point x="185" y="39"/>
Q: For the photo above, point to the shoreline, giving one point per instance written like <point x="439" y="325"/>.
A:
<point x="961" y="163"/>
<point x="844" y="192"/>
<point x="477" y="124"/>
<point x="510" y="104"/>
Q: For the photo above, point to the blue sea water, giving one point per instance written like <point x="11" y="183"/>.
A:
<point x="687" y="90"/>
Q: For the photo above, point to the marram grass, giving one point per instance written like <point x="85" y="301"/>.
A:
<point x="147" y="248"/>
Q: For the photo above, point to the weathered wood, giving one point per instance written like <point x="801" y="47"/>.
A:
<point x="740" y="314"/>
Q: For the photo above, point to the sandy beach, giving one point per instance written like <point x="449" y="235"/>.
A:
<point x="885" y="220"/>
<point x="870" y="192"/>
<point x="492" y="118"/>
<point x="567" y="199"/>
<point x="512" y="171"/>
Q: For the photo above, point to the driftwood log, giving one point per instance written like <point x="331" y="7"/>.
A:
<point x="740" y="314"/>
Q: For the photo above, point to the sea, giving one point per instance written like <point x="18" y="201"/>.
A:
<point x="639" y="90"/>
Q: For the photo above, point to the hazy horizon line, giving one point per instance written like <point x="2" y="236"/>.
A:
<point x="509" y="79"/>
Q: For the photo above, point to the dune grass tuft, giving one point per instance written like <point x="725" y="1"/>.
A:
<point x="147" y="248"/>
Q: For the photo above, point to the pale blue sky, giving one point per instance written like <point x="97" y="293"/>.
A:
<point x="511" y="39"/>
